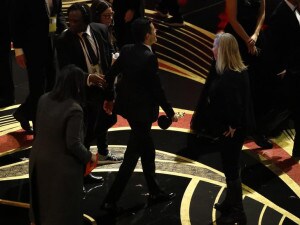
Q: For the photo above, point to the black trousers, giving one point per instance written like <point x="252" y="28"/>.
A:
<point x="231" y="153"/>
<point x="6" y="78"/>
<point x="97" y="123"/>
<point x="140" y="144"/>
<point x="41" y="76"/>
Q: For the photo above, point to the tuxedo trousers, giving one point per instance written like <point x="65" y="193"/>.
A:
<point x="140" y="144"/>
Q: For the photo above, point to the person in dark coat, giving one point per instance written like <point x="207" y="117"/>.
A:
<point x="72" y="49"/>
<point x="7" y="95"/>
<point x="281" y="57"/>
<point x="35" y="25"/>
<point x="139" y="95"/>
<point x="225" y="112"/>
<point x="58" y="156"/>
<point x="126" y="11"/>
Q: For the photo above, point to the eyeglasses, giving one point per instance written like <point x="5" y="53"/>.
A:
<point x="108" y="15"/>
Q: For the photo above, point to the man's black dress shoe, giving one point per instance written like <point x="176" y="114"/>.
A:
<point x="263" y="142"/>
<point x="161" y="197"/>
<point x="23" y="121"/>
<point x="90" y="178"/>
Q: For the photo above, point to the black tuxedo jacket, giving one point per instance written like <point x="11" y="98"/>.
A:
<point x="281" y="41"/>
<point x="31" y="28"/>
<point x="139" y="91"/>
<point x="69" y="51"/>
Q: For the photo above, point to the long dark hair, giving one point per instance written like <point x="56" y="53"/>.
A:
<point x="70" y="83"/>
<point x="97" y="8"/>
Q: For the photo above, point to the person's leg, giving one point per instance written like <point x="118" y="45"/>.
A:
<point x="105" y="122"/>
<point x="7" y="96"/>
<point x="232" y="207"/>
<point x="127" y="167"/>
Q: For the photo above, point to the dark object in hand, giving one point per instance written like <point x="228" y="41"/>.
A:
<point x="164" y="122"/>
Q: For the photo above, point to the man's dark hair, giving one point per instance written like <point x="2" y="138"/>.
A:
<point x="70" y="83"/>
<point x="139" y="28"/>
<point x="84" y="9"/>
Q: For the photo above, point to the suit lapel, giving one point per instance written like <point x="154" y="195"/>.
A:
<point x="100" y="40"/>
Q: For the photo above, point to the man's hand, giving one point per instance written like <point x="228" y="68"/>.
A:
<point x="128" y="15"/>
<point x="21" y="61"/>
<point x="97" y="80"/>
<point x="108" y="106"/>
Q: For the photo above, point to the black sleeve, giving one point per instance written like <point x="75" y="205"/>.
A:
<point x="61" y="20"/>
<point x="73" y="138"/>
<point x="156" y="87"/>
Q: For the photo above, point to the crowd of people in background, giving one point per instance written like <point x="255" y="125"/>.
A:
<point x="107" y="67"/>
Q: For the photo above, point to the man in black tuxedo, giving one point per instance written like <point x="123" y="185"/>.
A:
<point x="35" y="25"/>
<point x="126" y="11"/>
<point x="72" y="48"/>
<point x="139" y="95"/>
<point x="7" y="96"/>
<point x="281" y="56"/>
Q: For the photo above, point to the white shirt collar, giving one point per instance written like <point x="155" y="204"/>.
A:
<point x="88" y="31"/>
<point x="290" y="5"/>
<point x="148" y="46"/>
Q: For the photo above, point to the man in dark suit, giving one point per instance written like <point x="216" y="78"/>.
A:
<point x="72" y="48"/>
<point x="36" y="23"/>
<point x="7" y="96"/>
<point x="139" y="95"/>
<point x="281" y="56"/>
<point x="126" y="11"/>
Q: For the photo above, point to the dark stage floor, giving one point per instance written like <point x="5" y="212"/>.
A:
<point x="184" y="165"/>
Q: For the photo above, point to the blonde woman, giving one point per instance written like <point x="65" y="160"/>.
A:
<point x="224" y="114"/>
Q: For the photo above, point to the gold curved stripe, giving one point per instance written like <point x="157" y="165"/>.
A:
<point x="207" y="33"/>
<point x="5" y="117"/>
<point x="184" y="57"/>
<point x="214" y="212"/>
<point x="14" y="164"/>
<point x="14" y="203"/>
<point x="9" y="128"/>
<point x="262" y="215"/>
<point x="186" y="202"/>
<point x="185" y="73"/>
<point x="184" y="41"/>
<point x="256" y="196"/>
<point x="191" y="52"/>
<point x="278" y="172"/>
<point x="194" y="36"/>
<point x="89" y="219"/>
<point x="9" y="107"/>
<point x="192" y="69"/>
<point x="284" y="142"/>
<point x="282" y="220"/>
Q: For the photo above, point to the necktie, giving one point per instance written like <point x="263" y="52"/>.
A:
<point x="92" y="56"/>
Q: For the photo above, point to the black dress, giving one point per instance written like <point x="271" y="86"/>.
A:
<point x="247" y="15"/>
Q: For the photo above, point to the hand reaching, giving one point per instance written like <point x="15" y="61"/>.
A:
<point x="97" y="80"/>
<point x="230" y="132"/>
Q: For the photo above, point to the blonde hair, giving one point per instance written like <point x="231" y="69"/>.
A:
<point x="229" y="56"/>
